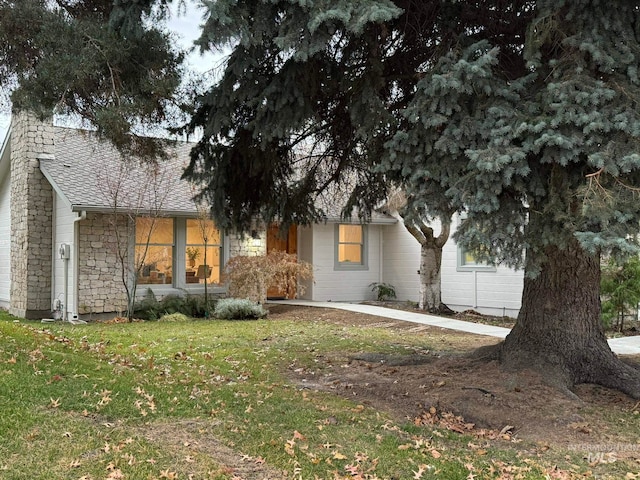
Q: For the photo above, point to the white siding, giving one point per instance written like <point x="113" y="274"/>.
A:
<point x="494" y="292"/>
<point x="305" y="254"/>
<point x="343" y="285"/>
<point x="63" y="233"/>
<point x="401" y="261"/>
<point x="5" y="239"/>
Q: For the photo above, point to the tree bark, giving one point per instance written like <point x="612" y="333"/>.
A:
<point x="430" y="298"/>
<point x="430" y="291"/>
<point x="559" y="331"/>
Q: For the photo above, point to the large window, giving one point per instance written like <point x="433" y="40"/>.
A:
<point x="351" y="247"/>
<point x="203" y="252"/>
<point x="154" y="250"/>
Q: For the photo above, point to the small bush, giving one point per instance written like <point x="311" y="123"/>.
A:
<point x="148" y="308"/>
<point x="238" y="309"/>
<point x="384" y="291"/>
<point x="173" y="317"/>
<point x="173" y="304"/>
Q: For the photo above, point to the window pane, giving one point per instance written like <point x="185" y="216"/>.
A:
<point x="197" y="268"/>
<point x="468" y="258"/>
<point x="350" y="253"/>
<point x="154" y="250"/>
<point x="350" y="234"/>
<point x="157" y="264"/>
<point x="160" y="230"/>
<point x="198" y="229"/>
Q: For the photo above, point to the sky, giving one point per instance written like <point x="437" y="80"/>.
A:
<point x="186" y="26"/>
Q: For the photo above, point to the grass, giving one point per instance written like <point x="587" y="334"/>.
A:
<point x="210" y="400"/>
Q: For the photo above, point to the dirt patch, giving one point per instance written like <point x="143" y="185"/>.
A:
<point x="191" y="438"/>
<point x="422" y="386"/>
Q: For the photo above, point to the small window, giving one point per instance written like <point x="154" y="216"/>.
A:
<point x="351" y="251"/>
<point x="468" y="262"/>
<point x="154" y="250"/>
<point x="203" y="252"/>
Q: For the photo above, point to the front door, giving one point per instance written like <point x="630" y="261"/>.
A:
<point x="278" y="242"/>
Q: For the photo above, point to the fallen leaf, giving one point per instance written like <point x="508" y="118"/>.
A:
<point x="339" y="456"/>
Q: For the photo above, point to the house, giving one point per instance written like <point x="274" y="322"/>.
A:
<point x="71" y="207"/>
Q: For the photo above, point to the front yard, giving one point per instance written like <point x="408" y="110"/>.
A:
<point x="305" y="394"/>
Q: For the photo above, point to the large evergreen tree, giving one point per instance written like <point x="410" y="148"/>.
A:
<point x="104" y="62"/>
<point x="521" y="114"/>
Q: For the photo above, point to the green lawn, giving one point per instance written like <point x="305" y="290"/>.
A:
<point x="209" y="400"/>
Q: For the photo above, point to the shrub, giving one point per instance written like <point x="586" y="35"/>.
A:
<point x="620" y="291"/>
<point x="238" y="309"/>
<point x="173" y="317"/>
<point x="384" y="291"/>
<point x="148" y="308"/>
<point x="250" y="277"/>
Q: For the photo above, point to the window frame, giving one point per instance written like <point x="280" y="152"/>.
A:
<point x="219" y="246"/>
<point x="463" y="266"/>
<point x="179" y="263"/>
<point x="154" y="244"/>
<point x="364" y="249"/>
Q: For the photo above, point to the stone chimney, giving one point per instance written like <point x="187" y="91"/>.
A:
<point x="31" y="217"/>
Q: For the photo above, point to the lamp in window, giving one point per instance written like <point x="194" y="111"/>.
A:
<point x="204" y="271"/>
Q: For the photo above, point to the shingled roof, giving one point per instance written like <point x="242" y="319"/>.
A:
<point x="90" y="174"/>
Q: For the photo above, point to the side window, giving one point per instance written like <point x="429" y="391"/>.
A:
<point x="351" y="251"/>
<point x="468" y="262"/>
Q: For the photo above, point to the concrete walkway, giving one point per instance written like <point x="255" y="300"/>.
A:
<point x="621" y="346"/>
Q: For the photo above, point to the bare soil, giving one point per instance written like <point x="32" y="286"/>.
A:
<point x="445" y="386"/>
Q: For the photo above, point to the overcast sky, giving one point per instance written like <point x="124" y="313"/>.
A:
<point x="187" y="28"/>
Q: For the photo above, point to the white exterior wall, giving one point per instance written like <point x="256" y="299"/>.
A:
<point x="5" y="237"/>
<point x="490" y="292"/>
<point x="63" y="233"/>
<point x="401" y="261"/>
<point x="342" y="285"/>
<point x="305" y="254"/>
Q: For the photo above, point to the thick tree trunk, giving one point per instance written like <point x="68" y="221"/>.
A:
<point x="559" y="331"/>
<point x="430" y="298"/>
<point x="430" y="263"/>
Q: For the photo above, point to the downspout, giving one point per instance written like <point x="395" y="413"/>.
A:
<point x="76" y="257"/>
<point x="381" y="232"/>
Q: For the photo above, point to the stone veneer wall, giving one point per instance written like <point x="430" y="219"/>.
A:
<point x="247" y="246"/>
<point x="100" y="288"/>
<point x="31" y="218"/>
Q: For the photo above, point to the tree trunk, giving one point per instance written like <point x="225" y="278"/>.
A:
<point x="559" y="331"/>
<point x="430" y="263"/>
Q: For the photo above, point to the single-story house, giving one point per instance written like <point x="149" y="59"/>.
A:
<point x="70" y="207"/>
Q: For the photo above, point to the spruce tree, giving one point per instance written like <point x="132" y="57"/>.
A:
<point x="106" y="63"/>
<point x="522" y="115"/>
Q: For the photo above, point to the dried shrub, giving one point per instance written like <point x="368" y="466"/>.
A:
<point x="250" y="277"/>
<point x="238" y="309"/>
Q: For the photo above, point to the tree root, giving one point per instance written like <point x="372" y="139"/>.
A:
<point x="601" y="368"/>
